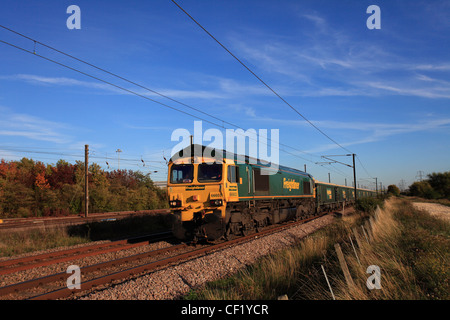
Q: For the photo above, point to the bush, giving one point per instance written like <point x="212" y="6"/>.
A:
<point x="423" y="189"/>
<point x="24" y="212"/>
<point x="368" y="205"/>
<point x="437" y="186"/>
<point x="440" y="182"/>
<point x="394" y="190"/>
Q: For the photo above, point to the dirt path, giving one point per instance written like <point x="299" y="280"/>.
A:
<point x="435" y="209"/>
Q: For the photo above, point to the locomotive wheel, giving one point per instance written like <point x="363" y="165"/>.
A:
<point x="261" y="224"/>
<point x="227" y="232"/>
<point x="244" y="229"/>
<point x="257" y="226"/>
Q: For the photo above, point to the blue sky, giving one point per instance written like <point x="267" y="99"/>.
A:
<point x="382" y="94"/>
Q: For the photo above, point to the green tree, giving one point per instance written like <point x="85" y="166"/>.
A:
<point x="29" y="187"/>
<point x="422" y="189"/>
<point x="394" y="190"/>
<point x="440" y="182"/>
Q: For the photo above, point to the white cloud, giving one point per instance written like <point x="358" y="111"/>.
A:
<point x="62" y="81"/>
<point x="367" y="132"/>
<point x="31" y="127"/>
<point x="432" y="67"/>
<point x="220" y="88"/>
<point x="329" y="62"/>
<point x="414" y="89"/>
<point x="377" y="131"/>
<point x="319" y="22"/>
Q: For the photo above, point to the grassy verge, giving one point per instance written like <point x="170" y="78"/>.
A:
<point x="14" y="243"/>
<point x="410" y="247"/>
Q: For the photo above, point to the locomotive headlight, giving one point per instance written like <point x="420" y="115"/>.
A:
<point x="175" y="203"/>
<point x="216" y="202"/>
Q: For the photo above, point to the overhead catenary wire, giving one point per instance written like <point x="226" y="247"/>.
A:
<point x="259" y="78"/>
<point x="81" y="156"/>
<point x="111" y="73"/>
<point x="364" y="168"/>
<point x="106" y="82"/>
<point x="136" y="84"/>
<point x="133" y="92"/>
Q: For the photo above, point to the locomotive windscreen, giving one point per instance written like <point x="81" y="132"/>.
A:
<point x="182" y="173"/>
<point x="209" y="172"/>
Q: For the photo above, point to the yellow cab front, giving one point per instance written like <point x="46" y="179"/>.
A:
<point x="198" y="189"/>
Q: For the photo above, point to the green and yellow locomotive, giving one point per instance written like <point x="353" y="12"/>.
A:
<point x="211" y="199"/>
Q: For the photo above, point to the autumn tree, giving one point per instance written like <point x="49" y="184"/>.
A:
<point x="30" y="188"/>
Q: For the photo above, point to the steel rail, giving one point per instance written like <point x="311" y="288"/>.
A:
<point x="40" y="222"/>
<point x="20" y="264"/>
<point x="14" y="288"/>
<point x="66" y="292"/>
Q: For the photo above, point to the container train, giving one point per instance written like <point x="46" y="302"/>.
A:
<point x="212" y="199"/>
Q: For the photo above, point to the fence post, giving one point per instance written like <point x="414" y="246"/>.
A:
<point x="326" y="278"/>
<point x="354" y="250"/>
<point x="369" y="230"/>
<point x="358" y="239"/>
<point x="365" y="234"/>
<point x="377" y="212"/>
<point x="348" y="277"/>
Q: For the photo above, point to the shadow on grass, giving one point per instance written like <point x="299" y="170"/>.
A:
<point x="123" y="228"/>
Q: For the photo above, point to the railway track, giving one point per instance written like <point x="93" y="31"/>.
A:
<point x="18" y="224"/>
<point x="103" y="274"/>
<point x="15" y="267"/>
<point x="30" y="262"/>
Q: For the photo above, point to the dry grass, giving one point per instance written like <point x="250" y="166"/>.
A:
<point x="411" y="248"/>
<point x="383" y="251"/>
<point x="19" y="242"/>
<point x="400" y="251"/>
<point x="273" y="274"/>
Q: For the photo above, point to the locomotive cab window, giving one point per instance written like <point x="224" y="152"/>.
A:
<point x="233" y="174"/>
<point x="209" y="172"/>
<point x="182" y="173"/>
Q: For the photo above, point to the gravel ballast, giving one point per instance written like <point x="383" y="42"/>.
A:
<point x="175" y="281"/>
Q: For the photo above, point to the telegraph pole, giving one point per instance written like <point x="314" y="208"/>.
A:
<point x="354" y="177"/>
<point x="86" y="181"/>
